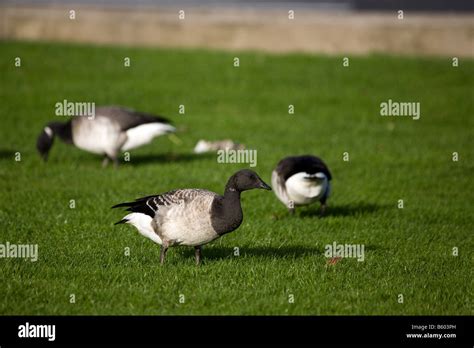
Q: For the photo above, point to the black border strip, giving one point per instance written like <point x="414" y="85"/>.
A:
<point x="224" y="330"/>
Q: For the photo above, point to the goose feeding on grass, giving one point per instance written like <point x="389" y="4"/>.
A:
<point x="191" y="217"/>
<point x="113" y="129"/>
<point x="301" y="180"/>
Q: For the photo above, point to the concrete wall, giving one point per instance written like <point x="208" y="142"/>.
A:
<point x="267" y="30"/>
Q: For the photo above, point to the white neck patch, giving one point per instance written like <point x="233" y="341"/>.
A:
<point x="48" y="131"/>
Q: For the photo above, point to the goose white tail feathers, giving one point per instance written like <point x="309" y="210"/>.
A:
<point x="142" y="223"/>
<point x="145" y="133"/>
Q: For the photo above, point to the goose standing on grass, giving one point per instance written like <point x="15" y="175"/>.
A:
<point x="301" y="180"/>
<point x="112" y="130"/>
<point x="191" y="217"/>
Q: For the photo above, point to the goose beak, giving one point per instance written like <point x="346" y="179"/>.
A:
<point x="265" y="186"/>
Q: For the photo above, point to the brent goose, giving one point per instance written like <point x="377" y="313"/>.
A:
<point x="301" y="180"/>
<point x="191" y="217"/>
<point x="112" y="130"/>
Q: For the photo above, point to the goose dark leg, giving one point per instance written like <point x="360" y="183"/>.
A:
<point x="291" y="207"/>
<point x="116" y="162"/>
<point x="322" y="209"/>
<point x="105" y="162"/>
<point x="164" y="249"/>
<point x="197" y="254"/>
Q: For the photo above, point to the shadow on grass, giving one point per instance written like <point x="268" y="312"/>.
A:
<point x="93" y="160"/>
<point x="214" y="254"/>
<point x="270" y="252"/>
<point x="7" y="154"/>
<point x="290" y="251"/>
<point x="342" y="210"/>
<point x="167" y="157"/>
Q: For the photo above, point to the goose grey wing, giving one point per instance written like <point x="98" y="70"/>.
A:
<point x="128" y="118"/>
<point x="150" y="205"/>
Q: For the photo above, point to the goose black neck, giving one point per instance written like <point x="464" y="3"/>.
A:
<point x="226" y="211"/>
<point x="232" y="198"/>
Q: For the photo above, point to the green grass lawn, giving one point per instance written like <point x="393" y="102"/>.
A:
<point x="407" y="251"/>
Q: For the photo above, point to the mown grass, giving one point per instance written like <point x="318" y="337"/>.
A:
<point x="407" y="251"/>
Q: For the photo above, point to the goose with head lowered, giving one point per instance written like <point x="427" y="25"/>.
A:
<point x="112" y="130"/>
<point x="191" y="217"/>
<point x="301" y="180"/>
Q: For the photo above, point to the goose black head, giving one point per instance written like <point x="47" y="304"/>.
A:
<point x="246" y="179"/>
<point x="44" y="142"/>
